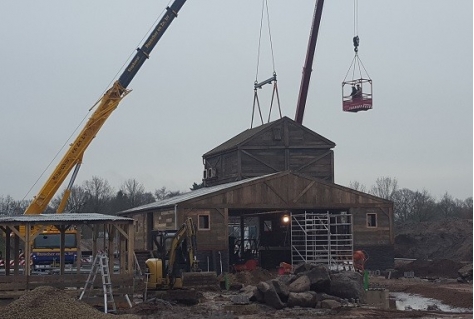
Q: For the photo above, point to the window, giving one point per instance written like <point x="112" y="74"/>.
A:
<point x="267" y="226"/>
<point x="371" y="220"/>
<point x="204" y="222"/>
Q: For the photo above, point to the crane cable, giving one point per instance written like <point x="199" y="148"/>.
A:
<point x="264" y="5"/>
<point x="356" y="62"/>
<point x="271" y="80"/>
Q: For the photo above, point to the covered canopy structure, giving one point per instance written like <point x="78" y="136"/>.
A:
<point x="24" y="229"/>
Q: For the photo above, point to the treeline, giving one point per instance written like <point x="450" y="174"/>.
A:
<point x="417" y="206"/>
<point x="98" y="196"/>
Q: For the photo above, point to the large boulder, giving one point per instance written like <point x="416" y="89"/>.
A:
<point x="270" y="296"/>
<point x="252" y="293"/>
<point x="302" y="299"/>
<point x="281" y="289"/>
<point x="330" y="304"/>
<point x="347" y="285"/>
<point x="465" y="273"/>
<point x="319" y="278"/>
<point x="301" y="284"/>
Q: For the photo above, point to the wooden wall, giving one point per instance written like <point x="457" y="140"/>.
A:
<point x="283" y="146"/>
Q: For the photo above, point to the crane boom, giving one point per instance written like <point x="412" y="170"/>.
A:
<point x="104" y="107"/>
<point x="308" y="65"/>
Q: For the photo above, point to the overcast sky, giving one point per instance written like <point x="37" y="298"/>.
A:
<point x="196" y="90"/>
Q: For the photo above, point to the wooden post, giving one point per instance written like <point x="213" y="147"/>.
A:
<point x="27" y="253"/>
<point x="16" y="253"/>
<point x="95" y="234"/>
<point x="79" y="250"/>
<point x="130" y="248"/>
<point x="62" y="258"/>
<point x="7" y="250"/>
<point x="110" y="246"/>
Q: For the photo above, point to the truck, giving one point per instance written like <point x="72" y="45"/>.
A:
<point x="46" y="247"/>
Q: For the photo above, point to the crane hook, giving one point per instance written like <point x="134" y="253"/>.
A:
<point x="355" y="40"/>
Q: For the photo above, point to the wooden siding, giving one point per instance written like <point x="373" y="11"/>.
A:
<point x="216" y="237"/>
<point x="165" y="220"/>
<point x="281" y="146"/>
<point x="371" y="236"/>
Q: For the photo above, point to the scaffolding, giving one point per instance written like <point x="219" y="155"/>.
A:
<point x="322" y="239"/>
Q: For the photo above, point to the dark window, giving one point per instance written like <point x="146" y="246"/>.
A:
<point x="204" y="222"/>
<point x="267" y="225"/>
<point x="371" y="220"/>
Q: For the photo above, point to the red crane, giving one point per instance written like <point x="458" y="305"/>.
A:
<point x="308" y="65"/>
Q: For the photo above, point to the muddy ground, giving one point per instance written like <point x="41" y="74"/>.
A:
<point x="448" y="244"/>
<point x="219" y="305"/>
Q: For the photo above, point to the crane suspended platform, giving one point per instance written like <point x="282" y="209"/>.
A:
<point x="360" y="99"/>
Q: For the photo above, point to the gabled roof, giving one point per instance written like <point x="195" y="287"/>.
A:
<point x="246" y="135"/>
<point x="205" y="193"/>
<point x="168" y="202"/>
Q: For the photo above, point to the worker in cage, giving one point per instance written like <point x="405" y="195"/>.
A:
<point x="356" y="93"/>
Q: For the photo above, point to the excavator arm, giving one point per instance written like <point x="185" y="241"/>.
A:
<point x="188" y="232"/>
<point x="104" y="108"/>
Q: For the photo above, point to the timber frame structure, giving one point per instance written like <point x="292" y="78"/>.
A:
<point x="252" y="209"/>
<point x="120" y="234"/>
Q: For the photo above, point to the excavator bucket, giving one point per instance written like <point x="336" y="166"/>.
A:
<point x="200" y="280"/>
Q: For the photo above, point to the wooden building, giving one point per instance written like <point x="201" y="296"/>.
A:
<point x="251" y="211"/>
<point x="281" y="145"/>
<point x="252" y="181"/>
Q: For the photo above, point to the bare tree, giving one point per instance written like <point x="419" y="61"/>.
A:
<point x="403" y="205"/>
<point x="134" y="193"/>
<point x="357" y="186"/>
<point x="385" y="187"/>
<point x="423" y="205"/>
<point x="76" y="202"/>
<point x="163" y="193"/>
<point x="99" y="194"/>
<point x="447" y="207"/>
<point x="133" y="190"/>
<point x="9" y="206"/>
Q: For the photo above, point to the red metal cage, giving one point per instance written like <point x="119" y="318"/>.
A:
<point x="353" y="100"/>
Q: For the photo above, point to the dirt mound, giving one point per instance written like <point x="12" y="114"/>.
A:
<point x="252" y="277"/>
<point x="437" y="240"/>
<point x="443" y="268"/>
<point x="50" y="303"/>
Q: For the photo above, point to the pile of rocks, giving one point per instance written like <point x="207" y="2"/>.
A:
<point x="309" y="286"/>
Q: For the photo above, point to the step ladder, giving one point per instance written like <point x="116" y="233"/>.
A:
<point x="101" y="264"/>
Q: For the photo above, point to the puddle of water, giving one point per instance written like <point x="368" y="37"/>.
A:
<point x="404" y="301"/>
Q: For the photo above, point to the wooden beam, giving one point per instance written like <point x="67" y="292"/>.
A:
<point x="304" y="191"/>
<point x="276" y="193"/>
<point x="260" y="161"/>
<point x="312" y="161"/>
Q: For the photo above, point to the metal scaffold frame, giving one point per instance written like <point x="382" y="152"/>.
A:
<point x="322" y="239"/>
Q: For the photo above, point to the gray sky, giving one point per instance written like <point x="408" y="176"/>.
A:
<point x="196" y="91"/>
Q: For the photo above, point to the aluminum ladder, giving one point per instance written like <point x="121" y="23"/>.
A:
<point x="101" y="264"/>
